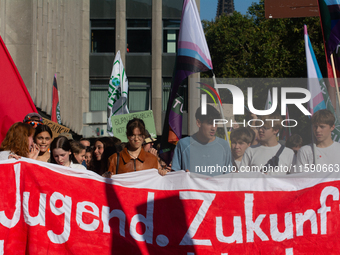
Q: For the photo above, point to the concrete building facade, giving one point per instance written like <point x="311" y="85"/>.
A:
<point x="146" y="33"/>
<point x="47" y="37"/>
<point x="78" y="41"/>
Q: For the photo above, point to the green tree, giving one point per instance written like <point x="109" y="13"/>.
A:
<point x="251" y="46"/>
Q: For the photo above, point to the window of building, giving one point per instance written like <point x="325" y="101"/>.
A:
<point x="172" y="9"/>
<point x="139" y="9"/>
<point x="182" y="91"/>
<point x="98" y="94"/>
<point x="139" y="96"/>
<point x="103" y="36"/>
<point x="170" y="35"/>
<point x="138" y="36"/>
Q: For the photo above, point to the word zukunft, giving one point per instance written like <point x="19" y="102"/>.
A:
<point x="257" y="122"/>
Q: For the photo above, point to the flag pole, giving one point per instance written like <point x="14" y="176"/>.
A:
<point x="221" y="110"/>
<point x="335" y="78"/>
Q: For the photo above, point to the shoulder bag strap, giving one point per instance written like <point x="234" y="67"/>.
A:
<point x="278" y="153"/>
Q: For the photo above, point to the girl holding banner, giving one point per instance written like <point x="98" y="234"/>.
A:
<point x="133" y="157"/>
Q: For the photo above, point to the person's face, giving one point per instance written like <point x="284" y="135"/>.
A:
<point x="322" y="132"/>
<point x="61" y="157"/>
<point x="85" y="143"/>
<point x="80" y="157"/>
<point x="88" y="157"/>
<point x="98" y="150"/>
<point x="207" y="129"/>
<point x="43" y="140"/>
<point x="136" y="139"/>
<point x="266" y="133"/>
<point x="238" y="148"/>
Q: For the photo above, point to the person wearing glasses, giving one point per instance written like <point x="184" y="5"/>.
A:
<point x="269" y="156"/>
<point x="34" y="119"/>
<point x="133" y="157"/>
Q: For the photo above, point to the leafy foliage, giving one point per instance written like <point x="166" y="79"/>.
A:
<point x="249" y="46"/>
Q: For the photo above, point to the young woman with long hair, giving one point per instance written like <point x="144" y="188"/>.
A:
<point x="103" y="148"/>
<point x="43" y="138"/>
<point x="133" y="157"/>
<point x="62" y="154"/>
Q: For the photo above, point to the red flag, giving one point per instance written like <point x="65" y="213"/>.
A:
<point x="15" y="101"/>
<point x="55" y="116"/>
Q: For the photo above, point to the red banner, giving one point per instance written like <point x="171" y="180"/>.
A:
<point x="50" y="209"/>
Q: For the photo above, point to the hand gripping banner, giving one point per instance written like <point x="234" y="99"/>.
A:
<point x="51" y="209"/>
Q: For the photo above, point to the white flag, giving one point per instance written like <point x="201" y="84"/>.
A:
<point x="118" y="92"/>
<point x="269" y="101"/>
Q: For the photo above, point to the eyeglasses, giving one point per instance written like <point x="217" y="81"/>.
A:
<point x="34" y="123"/>
<point x="140" y="137"/>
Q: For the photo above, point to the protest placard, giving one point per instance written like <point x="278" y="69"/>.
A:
<point x="55" y="127"/>
<point x="119" y="123"/>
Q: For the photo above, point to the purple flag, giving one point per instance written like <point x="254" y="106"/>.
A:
<point x="192" y="56"/>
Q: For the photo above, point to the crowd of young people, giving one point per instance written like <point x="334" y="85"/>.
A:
<point x="257" y="149"/>
<point x="32" y="139"/>
<point x="251" y="149"/>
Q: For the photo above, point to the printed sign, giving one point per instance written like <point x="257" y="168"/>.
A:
<point x="55" y="127"/>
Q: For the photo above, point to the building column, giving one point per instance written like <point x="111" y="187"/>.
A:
<point x="194" y="102"/>
<point x="121" y="28"/>
<point x="156" y="82"/>
<point x="193" y="96"/>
